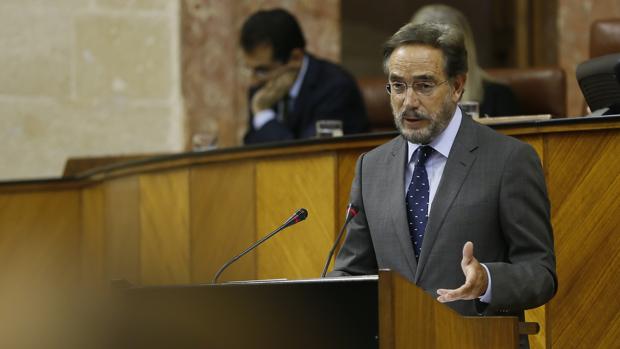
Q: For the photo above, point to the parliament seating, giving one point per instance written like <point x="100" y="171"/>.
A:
<point x="605" y="37"/>
<point x="538" y="90"/>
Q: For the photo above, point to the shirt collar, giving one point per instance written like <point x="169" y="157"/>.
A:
<point x="442" y="143"/>
<point x="294" y="91"/>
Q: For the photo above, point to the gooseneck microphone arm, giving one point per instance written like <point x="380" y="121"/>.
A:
<point x="351" y="212"/>
<point x="299" y="216"/>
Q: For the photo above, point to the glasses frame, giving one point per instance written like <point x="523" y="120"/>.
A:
<point x="388" y="88"/>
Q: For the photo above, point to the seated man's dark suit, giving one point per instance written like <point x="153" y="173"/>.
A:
<point x="327" y="92"/>
<point x="492" y="192"/>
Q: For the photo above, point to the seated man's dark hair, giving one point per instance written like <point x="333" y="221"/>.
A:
<point x="276" y="27"/>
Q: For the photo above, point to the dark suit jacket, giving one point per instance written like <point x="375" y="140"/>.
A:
<point x="492" y="192"/>
<point x="327" y="92"/>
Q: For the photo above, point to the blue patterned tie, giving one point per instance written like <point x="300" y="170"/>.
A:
<point x="417" y="198"/>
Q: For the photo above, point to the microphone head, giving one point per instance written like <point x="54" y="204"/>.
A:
<point x="352" y="211"/>
<point x="300" y="215"/>
<point x="297" y="217"/>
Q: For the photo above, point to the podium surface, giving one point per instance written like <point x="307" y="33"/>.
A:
<point x="267" y="314"/>
<point x="384" y="311"/>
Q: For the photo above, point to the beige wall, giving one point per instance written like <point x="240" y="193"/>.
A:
<point x="113" y="77"/>
<point x="87" y="77"/>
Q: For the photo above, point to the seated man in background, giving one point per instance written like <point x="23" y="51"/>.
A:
<point x="291" y="89"/>
<point x="494" y="97"/>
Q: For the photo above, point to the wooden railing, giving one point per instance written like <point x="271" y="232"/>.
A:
<point x="174" y="219"/>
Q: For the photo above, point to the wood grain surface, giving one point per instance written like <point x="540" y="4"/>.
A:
<point x="93" y="237"/>
<point x="284" y="185"/>
<point x="39" y="237"/>
<point x="410" y="318"/>
<point x="222" y="220"/>
<point x="584" y="188"/>
<point x="122" y="228"/>
<point x="178" y="220"/>
<point x="164" y="223"/>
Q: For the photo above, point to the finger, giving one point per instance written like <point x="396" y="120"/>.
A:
<point x="453" y="295"/>
<point x="282" y="70"/>
<point x="468" y="252"/>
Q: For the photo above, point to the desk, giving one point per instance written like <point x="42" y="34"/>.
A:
<point x="176" y="218"/>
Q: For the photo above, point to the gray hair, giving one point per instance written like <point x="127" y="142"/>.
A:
<point x="444" y="37"/>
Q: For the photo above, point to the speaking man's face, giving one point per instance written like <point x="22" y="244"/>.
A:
<point x="423" y="100"/>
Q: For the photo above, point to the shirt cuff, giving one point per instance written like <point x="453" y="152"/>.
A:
<point x="262" y="117"/>
<point x="486" y="297"/>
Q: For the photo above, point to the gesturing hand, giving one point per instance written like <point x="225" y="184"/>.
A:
<point x="475" y="279"/>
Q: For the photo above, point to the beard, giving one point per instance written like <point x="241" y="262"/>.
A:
<point x="437" y="123"/>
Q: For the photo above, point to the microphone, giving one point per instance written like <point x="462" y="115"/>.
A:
<point x="297" y="217"/>
<point x="352" y="211"/>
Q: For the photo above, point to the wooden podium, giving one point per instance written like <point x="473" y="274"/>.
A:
<point x="383" y="311"/>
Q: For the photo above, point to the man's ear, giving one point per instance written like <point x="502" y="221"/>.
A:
<point x="297" y="56"/>
<point x="458" y="87"/>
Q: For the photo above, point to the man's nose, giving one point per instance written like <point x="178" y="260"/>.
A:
<point x="411" y="99"/>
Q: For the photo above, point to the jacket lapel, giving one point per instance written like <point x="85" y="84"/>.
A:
<point x="395" y="189"/>
<point x="454" y="174"/>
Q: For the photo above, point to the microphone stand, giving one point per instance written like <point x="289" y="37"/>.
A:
<point x="351" y="212"/>
<point x="299" y="216"/>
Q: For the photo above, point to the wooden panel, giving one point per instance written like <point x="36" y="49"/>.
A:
<point x="282" y="186"/>
<point x="39" y="237"/>
<point x="359" y="143"/>
<point x="536" y="141"/>
<point x="240" y="154"/>
<point x="81" y="165"/>
<point x="539" y="316"/>
<point x="122" y="229"/>
<point x="223" y="220"/>
<point x="346" y="173"/>
<point x="40" y="224"/>
<point x="585" y="190"/>
<point x="537" y="341"/>
<point x="164" y="219"/>
<point x="93" y="236"/>
<point x="410" y="318"/>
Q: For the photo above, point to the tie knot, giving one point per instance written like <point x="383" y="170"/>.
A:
<point x="424" y="152"/>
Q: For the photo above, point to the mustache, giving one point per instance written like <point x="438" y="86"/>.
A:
<point x="413" y="114"/>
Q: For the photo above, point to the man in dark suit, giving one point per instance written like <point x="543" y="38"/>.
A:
<point x="291" y="89"/>
<point x="447" y="185"/>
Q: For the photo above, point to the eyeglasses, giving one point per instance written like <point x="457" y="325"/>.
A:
<point x="421" y="88"/>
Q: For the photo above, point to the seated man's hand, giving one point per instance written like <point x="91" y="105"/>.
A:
<point x="475" y="279"/>
<point x="275" y="88"/>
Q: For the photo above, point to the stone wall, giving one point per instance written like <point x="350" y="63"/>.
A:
<point x="87" y="78"/>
